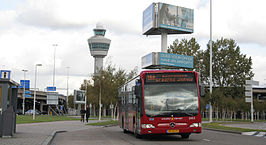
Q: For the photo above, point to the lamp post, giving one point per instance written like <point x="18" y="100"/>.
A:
<point x="67" y="84"/>
<point x="23" y="103"/>
<point x="34" y="110"/>
<point x="54" y="65"/>
<point x="100" y="101"/>
<point x="210" y="43"/>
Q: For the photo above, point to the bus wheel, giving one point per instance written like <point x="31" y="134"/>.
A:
<point x="185" y="135"/>
<point x="125" y="131"/>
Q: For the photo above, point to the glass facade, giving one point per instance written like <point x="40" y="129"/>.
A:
<point x="99" y="46"/>
<point x="99" y="32"/>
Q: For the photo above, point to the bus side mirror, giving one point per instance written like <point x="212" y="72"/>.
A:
<point x="202" y="91"/>
<point x="137" y="91"/>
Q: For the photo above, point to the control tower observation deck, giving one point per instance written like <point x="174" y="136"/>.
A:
<point x="99" y="46"/>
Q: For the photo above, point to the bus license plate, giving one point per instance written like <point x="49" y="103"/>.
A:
<point x="173" y="131"/>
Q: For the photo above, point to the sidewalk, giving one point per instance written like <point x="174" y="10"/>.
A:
<point x="255" y="125"/>
<point x="42" y="133"/>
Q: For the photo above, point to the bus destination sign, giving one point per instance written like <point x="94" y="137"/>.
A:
<point x="170" y="78"/>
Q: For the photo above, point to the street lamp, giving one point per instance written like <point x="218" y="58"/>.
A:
<point x="210" y="43"/>
<point x="34" y="110"/>
<point x="23" y="103"/>
<point x="54" y="65"/>
<point x="100" y="100"/>
<point x="67" y="85"/>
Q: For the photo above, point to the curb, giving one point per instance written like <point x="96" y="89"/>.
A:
<point x="227" y="131"/>
<point x="49" y="139"/>
<point x="111" y="125"/>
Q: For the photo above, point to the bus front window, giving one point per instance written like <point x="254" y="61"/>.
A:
<point x="171" y="99"/>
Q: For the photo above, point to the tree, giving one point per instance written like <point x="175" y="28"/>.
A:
<point x="230" y="70"/>
<point x="71" y="101"/>
<point x="107" y="82"/>
<point x="230" y="67"/>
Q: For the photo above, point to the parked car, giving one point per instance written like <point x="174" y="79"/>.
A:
<point x="30" y="112"/>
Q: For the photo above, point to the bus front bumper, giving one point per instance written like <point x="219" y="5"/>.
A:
<point x="171" y="130"/>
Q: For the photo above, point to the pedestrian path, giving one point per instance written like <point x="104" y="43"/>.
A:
<point x="42" y="133"/>
<point x="255" y="133"/>
<point x="255" y="125"/>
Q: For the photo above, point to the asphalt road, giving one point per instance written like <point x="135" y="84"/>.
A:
<point x="115" y="136"/>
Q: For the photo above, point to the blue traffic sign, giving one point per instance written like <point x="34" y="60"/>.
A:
<point x="26" y="83"/>
<point x="51" y="89"/>
<point x="208" y="106"/>
<point x="27" y="92"/>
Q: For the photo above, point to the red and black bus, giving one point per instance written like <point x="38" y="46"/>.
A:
<point x="161" y="102"/>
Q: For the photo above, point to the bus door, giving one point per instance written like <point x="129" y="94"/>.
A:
<point x="139" y="101"/>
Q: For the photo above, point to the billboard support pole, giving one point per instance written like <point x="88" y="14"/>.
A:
<point x="164" y="42"/>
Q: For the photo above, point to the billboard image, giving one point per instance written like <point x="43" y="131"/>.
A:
<point x="161" y="17"/>
<point x="79" y="96"/>
<point x="177" y="60"/>
<point x="147" y="22"/>
<point x="174" y="17"/>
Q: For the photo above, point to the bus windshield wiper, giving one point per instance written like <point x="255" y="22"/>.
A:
<point x="188" y="113"/>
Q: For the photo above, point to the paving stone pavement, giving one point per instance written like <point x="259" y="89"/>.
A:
<point x="41" y="133"/>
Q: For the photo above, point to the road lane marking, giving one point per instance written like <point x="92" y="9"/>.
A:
<point x="206" y="140"/>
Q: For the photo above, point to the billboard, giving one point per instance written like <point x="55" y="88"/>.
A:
<point x="168" y="18"/>
<point x="147" y="19"/>
<point x="79" y="96"/>
<point x="52" y="98"/>
<point x="166" y="60"/>
<point x="147" y="60"/>
<point x="170" y="59"/>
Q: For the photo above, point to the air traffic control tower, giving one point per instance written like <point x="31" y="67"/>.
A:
<point x="99" y="46"/>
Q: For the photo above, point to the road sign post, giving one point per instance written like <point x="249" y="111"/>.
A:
<point x="249" y="95"/>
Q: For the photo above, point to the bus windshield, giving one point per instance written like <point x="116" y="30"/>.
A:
<point x="171" y="99"/>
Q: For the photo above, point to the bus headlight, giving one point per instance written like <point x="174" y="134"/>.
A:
<point x="195" y="125"/>
<point x="147" y="126"/>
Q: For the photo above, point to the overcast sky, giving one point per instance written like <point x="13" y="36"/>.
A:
<point x="29" y="28"/>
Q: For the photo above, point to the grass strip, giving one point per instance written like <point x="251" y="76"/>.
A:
<point x="219" y="126"/>
<point x="42" y="118"/>
<point x="104" y="123"/>
<point x="233" y="120"/>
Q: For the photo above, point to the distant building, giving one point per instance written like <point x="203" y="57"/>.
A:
<point x="259" y="93"/>
<point x="41" y="101"/>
